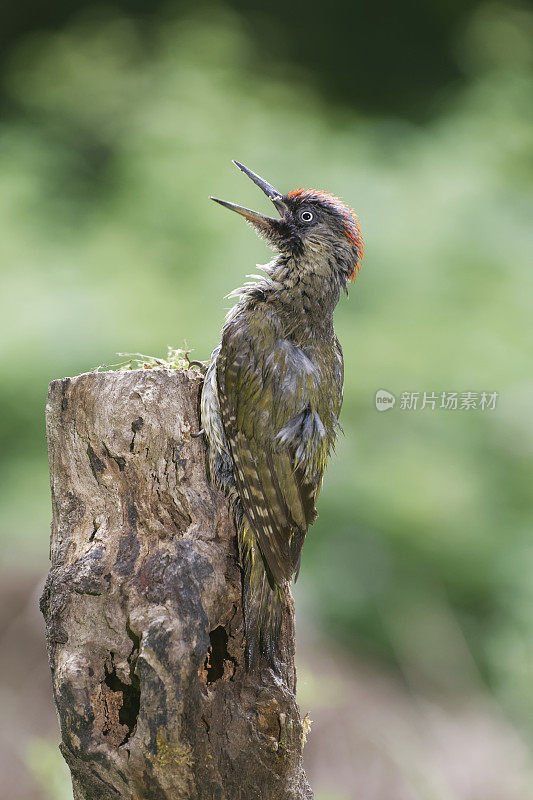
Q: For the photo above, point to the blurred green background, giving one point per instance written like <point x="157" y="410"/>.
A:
<point x="118" y="123"/>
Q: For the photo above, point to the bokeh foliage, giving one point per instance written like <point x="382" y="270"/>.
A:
<point x="388" y="59"/>
<point x="423" y="552"/>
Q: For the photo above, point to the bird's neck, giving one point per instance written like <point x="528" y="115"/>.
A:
<point x="304" y="293"/>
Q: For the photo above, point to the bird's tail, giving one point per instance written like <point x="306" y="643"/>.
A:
<point x="263" y="603"/>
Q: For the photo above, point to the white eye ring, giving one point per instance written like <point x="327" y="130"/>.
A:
<point x="306" y="216"/>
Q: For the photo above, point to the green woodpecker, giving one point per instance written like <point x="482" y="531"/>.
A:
<point x="273" y="392"/>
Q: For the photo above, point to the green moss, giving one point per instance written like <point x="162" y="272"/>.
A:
<point x="172" y="756"/>
<point x="306" y="728"/>
<point x="285" y="742"/>
<point x="177" y="358"/>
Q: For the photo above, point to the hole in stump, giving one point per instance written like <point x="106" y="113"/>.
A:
<point x="131" y="699"/>
<point x="217" y="653"/>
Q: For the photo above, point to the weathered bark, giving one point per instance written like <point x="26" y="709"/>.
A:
<point x="143" y="606"/>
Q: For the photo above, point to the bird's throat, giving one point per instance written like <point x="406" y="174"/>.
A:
<point x="305" y="296"/>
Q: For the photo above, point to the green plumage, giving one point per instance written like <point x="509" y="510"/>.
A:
<point x="279" y="392"/>
<point x="271" y="399"/>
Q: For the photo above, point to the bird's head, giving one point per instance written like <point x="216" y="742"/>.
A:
<point x="312" y="224"/>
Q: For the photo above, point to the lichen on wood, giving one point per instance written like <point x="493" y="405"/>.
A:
<point x="143" y="606"/>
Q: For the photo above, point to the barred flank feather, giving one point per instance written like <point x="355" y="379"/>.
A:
<point x="263" y="603"/>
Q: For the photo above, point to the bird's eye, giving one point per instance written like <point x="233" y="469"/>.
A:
<point x="306" y="216"/>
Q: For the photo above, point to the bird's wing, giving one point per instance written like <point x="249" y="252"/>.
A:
<point x="263" y="384"/>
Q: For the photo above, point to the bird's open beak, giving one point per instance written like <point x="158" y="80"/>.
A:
<point x="271" y="193"/>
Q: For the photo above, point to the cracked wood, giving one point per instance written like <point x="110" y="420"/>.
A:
<point x="143" y="607"/>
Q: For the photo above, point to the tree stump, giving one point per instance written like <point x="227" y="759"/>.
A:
<point x="143" y="606"/>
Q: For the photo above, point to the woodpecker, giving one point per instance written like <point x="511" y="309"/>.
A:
<point x="272" y="394"/>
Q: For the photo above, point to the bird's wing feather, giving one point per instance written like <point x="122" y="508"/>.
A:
<point x="258" y="395"/>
